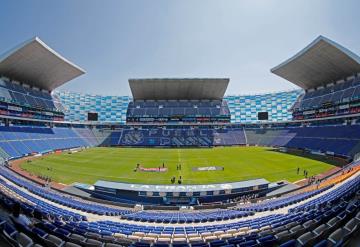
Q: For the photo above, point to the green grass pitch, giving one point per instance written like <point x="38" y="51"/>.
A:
<point x="117" y="164"/>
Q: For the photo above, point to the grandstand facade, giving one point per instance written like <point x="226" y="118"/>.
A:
<point x="243" y="108"/>
<point x="110" y="109"/>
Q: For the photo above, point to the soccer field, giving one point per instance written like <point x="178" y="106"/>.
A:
<point x="118" y="164"/>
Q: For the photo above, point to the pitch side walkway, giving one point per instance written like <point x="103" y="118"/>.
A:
<point x="15" y="166"/>
<point x="304" y="181"/>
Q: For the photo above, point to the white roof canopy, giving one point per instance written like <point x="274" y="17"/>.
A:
<point x="35" y="63"/>
<point x="321" y="62"/>
<point x="178" y="89"/>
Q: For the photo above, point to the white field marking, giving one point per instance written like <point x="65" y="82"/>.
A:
<point x="178" y="155"/>
<point x="131" y="158"/>
<point x="71" y="171"/>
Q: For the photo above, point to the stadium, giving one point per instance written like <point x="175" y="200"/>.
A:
<point x="181" y="162"/>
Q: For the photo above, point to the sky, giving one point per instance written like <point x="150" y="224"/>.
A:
<point x="114" y="40"/>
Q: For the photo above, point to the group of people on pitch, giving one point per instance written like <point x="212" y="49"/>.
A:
<point x="173" y="180"/>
